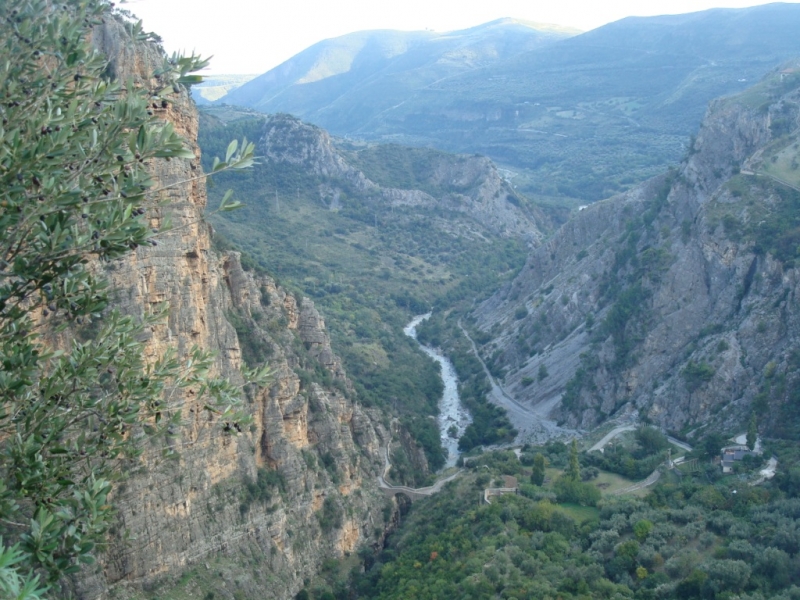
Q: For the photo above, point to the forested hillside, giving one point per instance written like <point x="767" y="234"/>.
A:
<point x="686" y="539"/>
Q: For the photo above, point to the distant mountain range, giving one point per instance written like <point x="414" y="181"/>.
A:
<point x="359" y="75"/>
<point x="571" y="116"/>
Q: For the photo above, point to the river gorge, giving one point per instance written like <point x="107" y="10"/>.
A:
<point x="451" y="412"/>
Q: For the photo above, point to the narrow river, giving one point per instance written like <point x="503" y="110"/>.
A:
<point x="451" y="411"/>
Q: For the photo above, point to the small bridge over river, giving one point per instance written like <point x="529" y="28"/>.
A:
<point x="412" y="494"/>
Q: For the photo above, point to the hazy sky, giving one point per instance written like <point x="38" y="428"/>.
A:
<point x="252" y="36"/>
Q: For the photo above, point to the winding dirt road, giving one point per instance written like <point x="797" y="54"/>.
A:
<point x="532" y="423"/>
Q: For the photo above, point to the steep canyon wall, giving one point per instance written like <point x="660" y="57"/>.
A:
<point x="676" y="300"/>
<point x="297" y="485"/>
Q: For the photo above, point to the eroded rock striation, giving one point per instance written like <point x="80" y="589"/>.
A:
<point x="676" y="300"/>
<point x="265" y="505"/>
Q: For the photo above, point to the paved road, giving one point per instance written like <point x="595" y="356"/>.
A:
<point x="768" y="472"/>
<point x="679" y="444"/>
<point x="655" y="475"/>
<point x="610" y="436"/>
<point x="424" y="491"/>
<point x="772" y="466"/>
<point x="623" y="428"/>
<point x="432" y="489"/>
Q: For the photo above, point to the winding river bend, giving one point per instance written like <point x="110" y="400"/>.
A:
<point x="451" y="411"/>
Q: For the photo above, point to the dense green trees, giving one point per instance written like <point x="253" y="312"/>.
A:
<point x="670" y="544"/>
<point x="538" y="471"/>
<point x="574" y="469"/>
<point x="78" y="394"/>
<point x="650" y="441"/>
<point x="752" y="432"/>
<point x="570" y="488"/>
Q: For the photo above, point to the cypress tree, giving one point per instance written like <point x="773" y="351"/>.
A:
<point x="752" y="432"/>
<point x="574" y="469"/>
<point x="537" y="474"/>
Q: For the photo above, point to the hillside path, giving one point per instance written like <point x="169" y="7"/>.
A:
<point x="610" y="436"/>
<point x="623" y="428"/>
<point x="654" y="476"/>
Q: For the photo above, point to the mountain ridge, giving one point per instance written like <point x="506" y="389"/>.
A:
<point x="383" y="53"/>
<point x="490" y="200"/>
<point x="578" y="118"/>
<point x="673" y="300"/>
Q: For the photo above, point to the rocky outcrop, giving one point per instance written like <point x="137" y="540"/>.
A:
<point x="474" y="187"/>
<point x="291" y="489"/>
<point x="289" y="140"/>
<point x="311" y="329"/>
<point x="675" y="300"/>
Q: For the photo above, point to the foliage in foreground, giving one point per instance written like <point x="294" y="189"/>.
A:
<point x="78" y="393"/>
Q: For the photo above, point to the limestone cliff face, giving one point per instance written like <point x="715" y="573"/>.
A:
<point x="677" y="299"/>
<point x="476" y="189"/>
<point x="296" y="486"/>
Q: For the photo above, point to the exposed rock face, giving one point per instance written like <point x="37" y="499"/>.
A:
<point x="309" y="445"/>
<point x="312" y="331"/>
<point x="289" y="140"/>
<point x="669" y="300"/>
<point x="483" y="195"/>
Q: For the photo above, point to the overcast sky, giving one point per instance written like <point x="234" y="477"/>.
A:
<point x="253" y="36"/>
